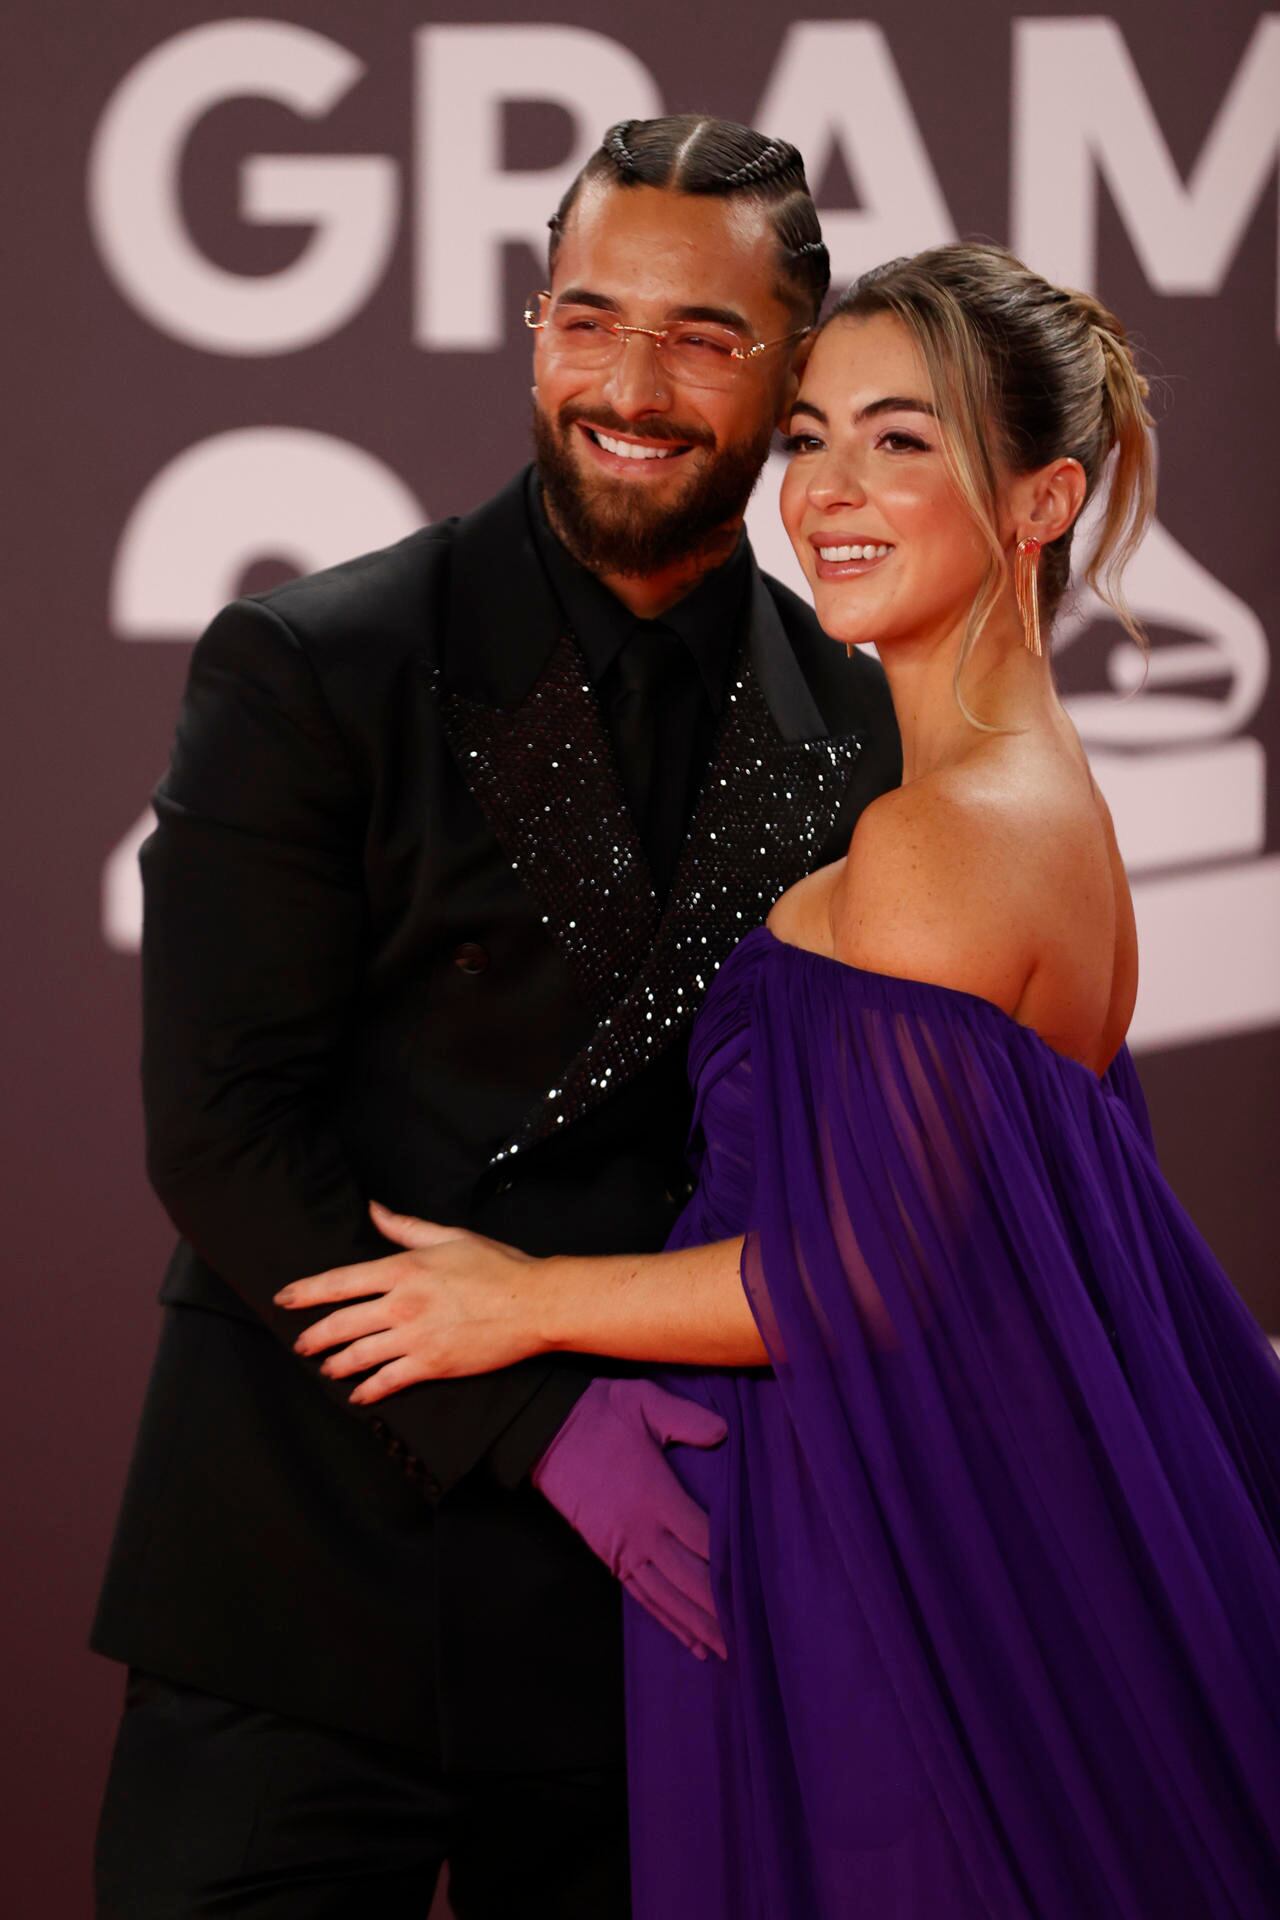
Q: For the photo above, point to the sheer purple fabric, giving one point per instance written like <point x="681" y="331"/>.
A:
<point x="997" y="1543"/>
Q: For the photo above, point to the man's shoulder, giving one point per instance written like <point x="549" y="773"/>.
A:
<point x="406" y="597"/>
<point x="380" y="597"/>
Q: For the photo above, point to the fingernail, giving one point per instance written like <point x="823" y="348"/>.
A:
<point x="283" y="1298"/>
<point x="699" y="1652"/>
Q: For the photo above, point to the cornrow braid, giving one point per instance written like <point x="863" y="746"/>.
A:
<point x="698" y="154"/>
<point x="778" y="158"/>
<point x="615" y="145"/>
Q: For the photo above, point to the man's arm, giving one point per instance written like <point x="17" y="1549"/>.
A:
<point x="254" y="948"/>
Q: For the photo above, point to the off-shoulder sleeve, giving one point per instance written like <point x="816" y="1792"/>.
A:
<point x="1040" y="1436"/>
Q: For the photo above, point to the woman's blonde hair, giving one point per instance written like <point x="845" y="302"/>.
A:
<point x="1024" y="373"/>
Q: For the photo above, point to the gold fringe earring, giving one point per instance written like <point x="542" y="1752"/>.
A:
<point x="1026" y="588"/>
<point x="848" y="649"/>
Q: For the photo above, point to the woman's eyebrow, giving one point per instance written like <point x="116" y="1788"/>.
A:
<point x="895" y="403"/>
<point x="891" y="403"/>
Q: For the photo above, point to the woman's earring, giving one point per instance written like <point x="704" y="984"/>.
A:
<point x="1026" y="588"/>
<point x="848" y="649"/>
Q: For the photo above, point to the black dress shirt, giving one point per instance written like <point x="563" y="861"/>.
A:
<point x="662" y="683"/>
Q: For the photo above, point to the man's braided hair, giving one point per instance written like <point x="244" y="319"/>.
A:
<point x="694" y="153"/>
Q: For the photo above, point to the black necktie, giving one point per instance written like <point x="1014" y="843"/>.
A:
<point x="654" y="691"/>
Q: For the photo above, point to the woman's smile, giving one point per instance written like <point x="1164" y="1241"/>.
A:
<point x="839" y="556"/>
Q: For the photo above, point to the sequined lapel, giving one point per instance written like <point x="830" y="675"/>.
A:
<point x="544" y="774"/>
<point x="770" y="798"/>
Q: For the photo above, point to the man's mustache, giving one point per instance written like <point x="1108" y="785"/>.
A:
<point x="606" y="422"/>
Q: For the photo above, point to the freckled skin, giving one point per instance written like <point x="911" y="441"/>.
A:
<point x="994" y="868"/>
<point x="864" y="479"/>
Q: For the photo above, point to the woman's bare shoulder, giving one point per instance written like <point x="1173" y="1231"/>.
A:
<point x="945" y="882"/>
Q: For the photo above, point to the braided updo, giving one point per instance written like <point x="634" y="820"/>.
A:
<point x="1025" y="373"/>
<point x="694" y="153"/>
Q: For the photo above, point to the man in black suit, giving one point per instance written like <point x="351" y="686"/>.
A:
<point x="453" y="838"/>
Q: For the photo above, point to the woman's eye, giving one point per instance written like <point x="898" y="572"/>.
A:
<point x="898" y="442"/>
<point x="800" y="442"/>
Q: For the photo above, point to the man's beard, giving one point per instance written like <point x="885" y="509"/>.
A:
<point x="612" y="526"/>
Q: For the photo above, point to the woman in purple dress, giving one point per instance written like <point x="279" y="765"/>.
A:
<point x="995" y="1527"/>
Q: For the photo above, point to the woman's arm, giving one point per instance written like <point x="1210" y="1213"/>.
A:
<point x="687" y="1308"/>
<point x="457" y="1303"/>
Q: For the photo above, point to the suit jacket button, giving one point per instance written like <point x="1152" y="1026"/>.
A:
<point x="471" y="957"/>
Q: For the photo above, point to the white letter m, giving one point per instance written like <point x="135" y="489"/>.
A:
<point x="1080" y="112"/>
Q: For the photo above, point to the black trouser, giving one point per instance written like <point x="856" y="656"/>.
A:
<point x="213" y="1808"/>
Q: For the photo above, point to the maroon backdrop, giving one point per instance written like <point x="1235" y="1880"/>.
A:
<point x="262" y="285"/>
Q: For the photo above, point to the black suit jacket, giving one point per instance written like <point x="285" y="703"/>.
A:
<point x="400" y="941"/>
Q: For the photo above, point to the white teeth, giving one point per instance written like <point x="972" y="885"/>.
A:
<point x="835" y="555"/>
<point x="628" y="448"/>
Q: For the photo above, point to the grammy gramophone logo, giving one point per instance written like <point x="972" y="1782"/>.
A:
<point x="1185" y="780"/>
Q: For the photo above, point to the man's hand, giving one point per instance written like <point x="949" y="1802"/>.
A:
<point x="606" y="1471"/>
<point x="452" y="1303"/>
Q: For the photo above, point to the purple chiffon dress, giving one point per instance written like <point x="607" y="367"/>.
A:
<point x="996" y="1542"/>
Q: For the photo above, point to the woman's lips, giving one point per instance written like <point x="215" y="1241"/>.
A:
<point x="848" y="559"/>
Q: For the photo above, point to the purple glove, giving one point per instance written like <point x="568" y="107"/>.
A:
<point x="605" y="1471"/>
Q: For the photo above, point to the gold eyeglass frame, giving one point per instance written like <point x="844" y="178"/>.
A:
<point x="659" y="335"/>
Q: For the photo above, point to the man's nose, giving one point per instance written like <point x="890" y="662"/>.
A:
<point x="637" y="383"/>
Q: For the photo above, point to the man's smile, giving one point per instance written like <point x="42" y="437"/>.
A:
<point x="630" y="454"/>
